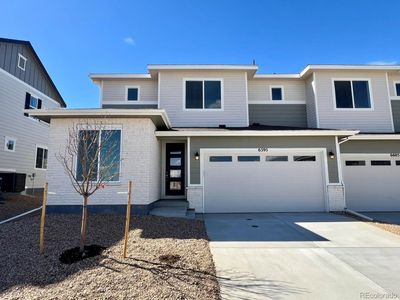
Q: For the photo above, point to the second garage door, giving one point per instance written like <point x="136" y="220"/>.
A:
<point x="286" y="181"/>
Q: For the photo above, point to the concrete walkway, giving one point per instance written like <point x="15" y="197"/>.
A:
<point x="303" y="256"/>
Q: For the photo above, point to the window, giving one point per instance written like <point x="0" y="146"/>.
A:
<point x="276" y="93"/>
<point x="352" y="94"/>
<point x="106" y="161"/>
<point x="397" y="89"/>
<point x="33" y="102"/>
<point x="132" y="93"/>
<point x="21" y="62"/>
<point x="220" y="158"/>
<point x="41" y="158"/>
<point x="276" y="158"/>
<point x="203" y="94"/>
<point x="248" y="158"/>
<point x="355" y="162"/>
<point x="304" y="158"/>
<point x="380" y="162"/>
<point x="397" y="162"/>
<point x="9" y="144"/>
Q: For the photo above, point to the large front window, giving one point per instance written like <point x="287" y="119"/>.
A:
<point x="352" y="94"/>
<point x="99" y="155"/>
<point x="203" y="94"/>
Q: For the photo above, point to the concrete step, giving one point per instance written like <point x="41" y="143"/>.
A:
<point x="190" y="214"/>
<point x="172" y="212"/>
<point x="172" y="203"/>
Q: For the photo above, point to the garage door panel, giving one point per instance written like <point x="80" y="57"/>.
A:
<point x="372" y="187"/>
<point x="263" y="186"/>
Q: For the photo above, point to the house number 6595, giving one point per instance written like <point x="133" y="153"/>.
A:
<point x="262" y="149"/>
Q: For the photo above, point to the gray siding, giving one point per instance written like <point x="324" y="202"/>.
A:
<point x="260" y="89"/>
<point x="27" y="131"/>
<point x="33" y="74"/>
<point x="378" y="119"/>
<point x="294" y="115"/>
<point x="137" y="106"/>
<point x="310" y="96"/>
<point x="371" y="146"/>
<point x="396" y="115"/>
<point x="235" y="108"/>
<point x="196" y="143"/>
<point x="393" y="78"/>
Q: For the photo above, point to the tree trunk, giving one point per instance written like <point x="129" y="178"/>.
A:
<point x="84" y="224"/>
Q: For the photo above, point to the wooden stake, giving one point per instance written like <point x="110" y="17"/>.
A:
<point x="128" y="218"/>
<point x="43" y="219"/>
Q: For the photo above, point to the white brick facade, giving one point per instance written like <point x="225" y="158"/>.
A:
<point x="140" y="163"/>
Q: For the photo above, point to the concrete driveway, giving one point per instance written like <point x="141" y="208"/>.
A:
<point x="303" y="256"/>
<point x="388" y="217"/>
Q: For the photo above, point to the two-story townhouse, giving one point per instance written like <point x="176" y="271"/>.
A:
<point x="227" y="139"/>
<point x="24" y="84"/>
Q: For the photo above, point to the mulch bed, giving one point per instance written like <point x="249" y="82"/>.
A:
<point x="14" y="204"/>
<point x="168" y="258"/>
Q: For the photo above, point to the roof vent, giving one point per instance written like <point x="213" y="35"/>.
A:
<point x="222" y="126"/>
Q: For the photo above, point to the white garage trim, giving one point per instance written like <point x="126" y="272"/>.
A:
<point x="321" y="151"/>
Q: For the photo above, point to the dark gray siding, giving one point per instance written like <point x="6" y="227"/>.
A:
<point x="33" y="74"/>
<point x="196" y="143"/>
<point x="374" y="146"/>
<point x="136" y="106"/>
<point x="293" y="115"/>
<point x="396" y="114"/>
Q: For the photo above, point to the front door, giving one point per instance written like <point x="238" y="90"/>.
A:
<point x="175" y="169"/>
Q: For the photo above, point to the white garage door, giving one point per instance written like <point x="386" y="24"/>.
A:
<point x="238" y="181"/>
<point x="372" y="182"/>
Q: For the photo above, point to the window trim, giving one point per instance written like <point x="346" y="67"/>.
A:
<point x="394" y="88"/>
<point x="20" y="56"/>
<point x="37" y="103"/>
<point x="372" y="108"/>
<point x="221" y="80"/>
<point x="105" y="127"/>
<point x="8" y="138"/>
<point x="275" y="87"/>
<point x="43" y="147"/>
<point x="126" y="93"/>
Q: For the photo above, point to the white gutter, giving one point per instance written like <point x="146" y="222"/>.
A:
<point x="278" y="76"/>
<point x="354" y="213"/>
<point x="95" y="76"/>
<point x="184" y="133"/>
<point x="366" y="137"/>
<point x="350" y="67"/>
<point x="202" y="67"/>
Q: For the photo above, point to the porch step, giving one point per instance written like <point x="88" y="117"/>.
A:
<point x="172" y="212"/>
<point x="172" y="203"/>
<point x="190" y="214"/>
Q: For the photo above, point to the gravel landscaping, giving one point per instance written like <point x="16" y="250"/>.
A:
<point x="168" y="258"/>
<point x="14" y="204"/>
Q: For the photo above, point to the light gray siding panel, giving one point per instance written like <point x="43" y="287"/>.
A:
<point x="33" y="74"/>
<point x="196" y="143"/>
<point x="235" y="108"/>
<point x="138" y="106"/>
<point x="27" y="131"/>
<point x="294" y="115"/>
<point x="370" y="146"/>
<point x="396" y="115"/>
<point x="260" y="89"/>
<point x="115" y="90"/>
<point x="310" y="96"/>
<point x="392" y="79"/>
<point x="376" y="120"/>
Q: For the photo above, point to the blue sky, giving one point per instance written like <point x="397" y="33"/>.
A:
<point x="75" y="38"/>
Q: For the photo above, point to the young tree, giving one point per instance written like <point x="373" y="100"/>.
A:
<point x="91" y="159"/>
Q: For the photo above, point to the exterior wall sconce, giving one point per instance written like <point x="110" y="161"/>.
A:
<point x="197" y="156"/>
<point x="331" y="155"/>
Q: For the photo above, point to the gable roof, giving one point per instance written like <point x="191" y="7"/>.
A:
<point x="30" y="47"/>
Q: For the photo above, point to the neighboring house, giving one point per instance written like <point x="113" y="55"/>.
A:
<point x="24" y="84"/>
<point x="230" y="140"/>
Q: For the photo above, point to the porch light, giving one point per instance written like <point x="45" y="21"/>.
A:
<point x="331" y="155"/>
<point x="197" y="156"/>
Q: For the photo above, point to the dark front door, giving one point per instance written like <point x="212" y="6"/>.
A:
<point x="175" y="169"/>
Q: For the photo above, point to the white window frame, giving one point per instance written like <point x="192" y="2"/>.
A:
<point x="132" y="87"/>
<point x="105" y="127"/>
<point x="42" y="147"/>
<point x="276" y="87"/>
<point x="371" y="98"/>
<point x="21" y="57"/>
<point x="221" y="80"/>
<point x="394" y="88"/>
<point x="6" y="140"/>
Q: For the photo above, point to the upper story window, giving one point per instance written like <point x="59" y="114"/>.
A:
<point x="276" y="93"/>
<point x="41" y="157"/>
<point x="352" y="94"/>
<point x="21" y="62"/>
<point x="397" y="89"/>
<point x="203" y="94"/>
<point x="132" y="93"/>
<point x="9" y="144"/>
